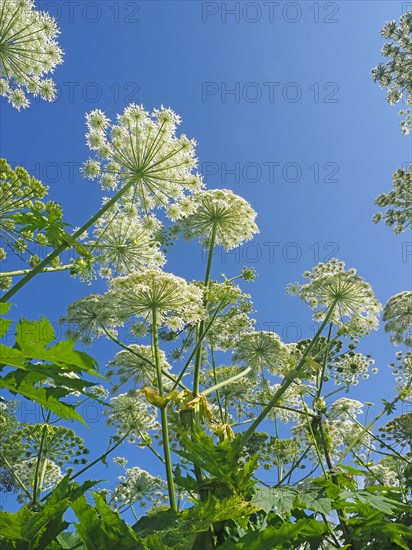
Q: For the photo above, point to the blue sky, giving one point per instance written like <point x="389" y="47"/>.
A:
<point x="280" y="99"/>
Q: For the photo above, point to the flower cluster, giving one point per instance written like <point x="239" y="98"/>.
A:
<point x="233" y="318"/>
<point x="26" y="472"/>
<point x="340" y="433"/>
<point x="345" y="408"/>
<point x="398" y="430"/>
<point x="406" y="123"/>
<point x="395" y="74"/>
<point x="24" y="217"/>
<point x="398" y="316"/>
<point x="86" y="316"/>
<point x="217" y="215"/>
<point x="386" y="472"/>
<point x="235" y="395"/>
<point x="28" y="51"/>
<point x="356" y="309"/>
<point x="174" y="301"/>
<point x="99" y="392"/>
<point x="132" y="416"/>
<point x="398" y="202"/>
<point x="261" y="350"/>
<point x="350" y="366"/>
<point x="59" y="444"/>
<point x="402" y="370"/>
<point x="138" y="487"/>
<point x="124" y="243"/>
<point x="288" y="407"/>
<point x="143" y="153"/>
<point x="137" y="366"/>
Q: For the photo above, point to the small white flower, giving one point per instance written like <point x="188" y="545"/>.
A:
<point x="28" y="51"/>
<point x="217" y="212"/>
<point x="398" y="316"/>
<point x="175" y="301"/>
<point x="138" y="486"/>
<point x="356" y="308"/>
<point x="143" y="151"/>
<point x="131" y="414"/>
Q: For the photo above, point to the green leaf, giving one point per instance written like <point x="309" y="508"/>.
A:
<point x="187" y="482"/>
<point x="63" y="353"/>
<point x="33" y="335"/>
<point x="201" y="516"/>
<point x="4" y="308"/>
<point x="27" y="530"/>
<point x="70" y="541"/>
<point x="18" y="382"/>
<point x="379" y="502"/>
<point x="274" y="537"/>
<point x="315" y="499"/>
<point x="4" y="325"/>
<point x="161" y="521"/>
<point x="221" y="460"/>
<point x="281" y="499"/>
<point x="35" y="363"/>
<point x="102" y="528"/>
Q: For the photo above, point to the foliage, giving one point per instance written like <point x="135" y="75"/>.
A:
<point x="196" y="385"/>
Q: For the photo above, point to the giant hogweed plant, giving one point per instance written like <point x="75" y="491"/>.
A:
<point x="221" y="406"/>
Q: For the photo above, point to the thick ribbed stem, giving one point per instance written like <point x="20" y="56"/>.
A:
<point x="163" y="418"/>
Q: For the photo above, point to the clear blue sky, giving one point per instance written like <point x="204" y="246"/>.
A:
<point x="278" y="96"/>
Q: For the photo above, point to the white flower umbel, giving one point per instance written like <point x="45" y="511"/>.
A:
<point x="394" y="75"/>
<point x="28" y="52"/>
<point x="86" y="316"/>
<point x="137" y="366"/>
<point x="350" y="367"/>
<point x="132" y="415"/>
<point x="217" y="215"/>
<point x="174" y="301"/>
<point x="397" y="203"/>
<point x="140" y="487"/>
<point x="292" y="399"/>
<point x="143" y="151"/>
<point x="402" y="370"/>
<point x="123" y="244"/>
<point x="345" y="408"/>
<point x="261" y="351"/>
<point x="398" y="316"/>
<point x="387" y="472"/>
<point x="26" y="472"/>
<point x="356" y="309"/>
<point x="233" y="319"/>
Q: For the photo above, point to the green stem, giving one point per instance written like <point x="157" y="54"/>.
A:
<point x="219" y="403"/>
<point x="202" y="323"/>
<point x="332" y="534"/>
<point x="197" y="346"/>
<point x="295" y="465"/>
<point x="163" y="418"/>
<point x="18" y="272"/>
<point x="287" y="381"/>
<point x="16" y="476"/>
<point x="101" y="457"/>
<point x="341" y="513"/>
<point x="66" y="244"/>
<point x="37" y="482"/>
<point x="367" y="428"/>
<point x="315" y="443"/>
<point x="136" y="354"/>
<point x="226" y="382"/>
<point x="322" y="374"/>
